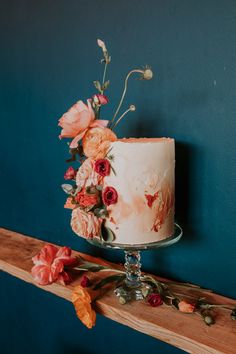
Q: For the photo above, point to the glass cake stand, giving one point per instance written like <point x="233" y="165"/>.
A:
<point x="133" y="288"/>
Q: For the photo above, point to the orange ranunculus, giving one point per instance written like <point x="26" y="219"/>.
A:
<point x="87" y="200"/>
<point x="77" y="120"/>
<point x="96" y="142"/>
<point x="186" y="307"/>
<point x="82" y="300"/>
<point x="85" y="224"/>
<point x="68" y="204"/>
<point x="49" y="265"/>
<point x="87" y="176"/>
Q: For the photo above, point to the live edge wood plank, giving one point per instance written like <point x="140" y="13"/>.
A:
<point x="184" y="331"/>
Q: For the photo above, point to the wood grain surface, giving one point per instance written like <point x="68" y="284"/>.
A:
<point x="185" y="331"/>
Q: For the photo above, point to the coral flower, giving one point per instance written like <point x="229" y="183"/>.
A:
<point x="68" y="204"/>
<point x="82" y="300"/>
<point x="85" y="199"/>
<point x="49" y="265"/>
<point x="186" y="307"/>
<point x="77" y="121"/>
<point x="96" y="142"/>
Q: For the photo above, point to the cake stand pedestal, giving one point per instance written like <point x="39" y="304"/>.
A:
<point x="133" y="288"/>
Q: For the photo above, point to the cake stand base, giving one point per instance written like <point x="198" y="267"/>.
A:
<point x="133" y="288"/>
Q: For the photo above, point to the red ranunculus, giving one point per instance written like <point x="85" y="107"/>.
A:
<point x="100" y="99"/>
<point x="109" y="196"/>
<point x="85" y="282"/>
<point x="102" y="167"/>
<point x="155" y="300"/>
<point x="87" y="200"/>
<point x="49" y="265"/>
<point x="70" y="173"/>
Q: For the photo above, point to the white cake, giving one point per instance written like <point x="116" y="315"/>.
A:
<point x="143" y="176"/>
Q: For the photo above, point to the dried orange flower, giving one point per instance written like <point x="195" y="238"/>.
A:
<point x="82" y="300"/>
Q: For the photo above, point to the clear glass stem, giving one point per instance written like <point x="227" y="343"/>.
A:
<point x="133" y="269"/>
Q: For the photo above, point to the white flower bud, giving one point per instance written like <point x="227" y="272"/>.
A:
<point x="132" y="107"/>
<point x="147" y="74"/>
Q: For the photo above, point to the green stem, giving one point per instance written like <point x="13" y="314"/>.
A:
<point x="104" y="75"/>
<point x="115" y="124"/>
<point x="112" y="270"/>
<point x="209" y="306"/>
<point x="124" y="92"/>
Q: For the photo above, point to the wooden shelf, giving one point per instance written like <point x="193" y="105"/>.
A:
<point x="184" y="331"/>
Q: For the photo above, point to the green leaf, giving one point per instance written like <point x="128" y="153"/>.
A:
<point x="99" y="187"/>
<point x="67" y="188"/>
<point x="98" y="86"/>
<point x="91" y="190"/>
<point x="112" y="278"/>
<point x="100" y="212"/>
<point x="107" y="234"/>
<point x="105" y="85"/>
<point x="175" y="303"/>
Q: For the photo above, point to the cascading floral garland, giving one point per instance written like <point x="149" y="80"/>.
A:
<point x="53" y="264"/>
<point x="91" y="138"/>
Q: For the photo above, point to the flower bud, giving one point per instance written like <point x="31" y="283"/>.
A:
<point x="147" y="74"/>
<point x="102" y="45"/>
<point x="122" y="300"/>
<point x="132" y="107"/>
<point x="209" y="320"/>
<point x="233" y="315"/>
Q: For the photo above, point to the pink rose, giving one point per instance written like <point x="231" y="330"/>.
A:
<point x="109" y="196"/>
<point x="155" y="300"/>
<point x="85" y="224"/>
<point x="102" y="167"/>
<point x="70" y="173"/>
<point x="96" y="142"/>
<point x="100" y="99"/>
<point x="87" y="200"/>
<point x="77" y="120"/>
<point x="49" y="265"/>
<point x="87" y="176"/>
<point x="85" y="282"/>
<point x="186" y="307"/>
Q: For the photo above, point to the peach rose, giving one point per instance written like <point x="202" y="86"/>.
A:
<point x="87" y="176"/>
<point x="82" y="300"/>
<point x="85" y="224"/>
<point x="96" y="142"/>
<point x="186" y="307"/>
<point x="77" y="120"/>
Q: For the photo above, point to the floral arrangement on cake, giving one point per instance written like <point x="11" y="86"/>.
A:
<point x="90" y="145"/>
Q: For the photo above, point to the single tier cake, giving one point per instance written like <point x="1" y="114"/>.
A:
<point x="143" y="176"/>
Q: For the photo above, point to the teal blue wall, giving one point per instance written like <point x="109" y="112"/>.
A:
<point x="48" y="60"/>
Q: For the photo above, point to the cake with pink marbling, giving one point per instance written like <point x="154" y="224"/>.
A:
<point x="143" y="177"/>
